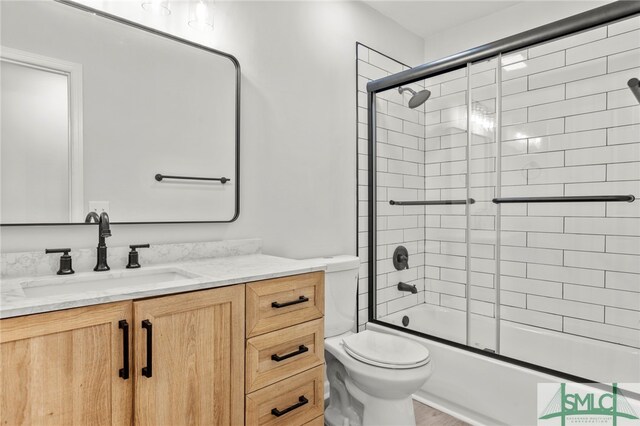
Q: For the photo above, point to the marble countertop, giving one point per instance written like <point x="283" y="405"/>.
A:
<point x="196" y="275"/>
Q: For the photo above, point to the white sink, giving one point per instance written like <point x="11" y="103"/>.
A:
<point x="101" y="281"/>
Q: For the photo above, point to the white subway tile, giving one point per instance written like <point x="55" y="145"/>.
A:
<point x="620" y="99"/>
<point x="529" y="286"/>
<point x="533" y="161"/>
<point x="514" y="116"/>
<point x="401" y="139"/>
<point x="533" y="191"/>
<point x="566" y="241"/>
<point x="510" y="298"/>
<point x="626" y="245"/>
<point x="532" y="66"/>
<point x="588" y="277"/>
<point x="533" y="97"/>
<point x="532" y="255"/>
<point x="565" y="141"/>
<point x="453" y="302"/>
<point x="567" y="174"/>
<point x="569" y="73"/>
<point x="619" y="43"/>
<point x="447" y="101"/>
<point x="384" y="62"/>
<point x="445" y="234"/>
<point x="622" y="317"/>
<point x="623" y="171"/>
<point x="568" y="42"/>
<point x="566" y="209"/>
<point x="603" y="155"/>
<point x="602" y="296"/>
<point x="541" y="224"/>
<point x="446" y="287"/>
<point x="403" y="112"/>
<point x="481" y="308"/>
<point x="442" y="155"/>
<point x="623" y="281"/>
<point x="567" y="308"/>
<point x="534" y="318"/>
<point x="569" y="107"/>
<point x="535" y="129"/>
<point x="623" y="26"/>
<point x="624" y="134"/>
<point x="599" y="331"/>
<point x="600" y="84"/>
<point x="624" y="60"/>
<point x="603" y="226"/>
<point x="603" y="119"/>
<point x="446" y="261"/>
<point x="605" y="261"/>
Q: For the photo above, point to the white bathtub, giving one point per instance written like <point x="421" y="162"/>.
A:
<point x="483" y="390"/>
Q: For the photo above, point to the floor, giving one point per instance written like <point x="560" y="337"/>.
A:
<point x="427" y="416"/>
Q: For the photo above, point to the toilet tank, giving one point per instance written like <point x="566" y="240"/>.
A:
<point x="340" y="293"/>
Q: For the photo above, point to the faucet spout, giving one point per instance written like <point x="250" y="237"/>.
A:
<point x="104" y="228"/>
<point x="407" y="287"/>
<point x="104" y="231"/>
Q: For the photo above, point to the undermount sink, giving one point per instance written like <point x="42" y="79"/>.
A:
<point x="101" y="281"/>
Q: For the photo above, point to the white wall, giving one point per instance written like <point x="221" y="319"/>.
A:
<point x="509" y="21"/>
<point x="298" y="128"/>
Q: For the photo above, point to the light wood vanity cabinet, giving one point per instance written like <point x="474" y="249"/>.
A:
<point x="193" y="373"/>
<point x="185" y="355"/>
<point x="63" y="368"/>
<point x="285" y="350"/>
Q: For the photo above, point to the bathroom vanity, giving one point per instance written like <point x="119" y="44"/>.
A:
<point x="234" y="340"/>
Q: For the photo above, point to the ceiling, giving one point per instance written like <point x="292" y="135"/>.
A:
<point x="429" y="17"/>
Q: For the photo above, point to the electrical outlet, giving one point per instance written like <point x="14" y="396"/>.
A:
<point x="99" y="206"/>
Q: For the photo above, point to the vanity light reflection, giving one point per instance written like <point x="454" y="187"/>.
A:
<point x="201" y="15"/>
<point x="157" y="7"/>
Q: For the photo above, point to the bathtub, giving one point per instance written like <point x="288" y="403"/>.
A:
<point x="482" y="390"/>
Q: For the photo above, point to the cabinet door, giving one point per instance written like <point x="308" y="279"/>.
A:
<point x="65" y="367"/>
<point x="189" y="358"/>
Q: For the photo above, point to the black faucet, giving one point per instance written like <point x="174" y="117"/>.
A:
<point x="104" y="231"/>
<point x="407" y="287"/>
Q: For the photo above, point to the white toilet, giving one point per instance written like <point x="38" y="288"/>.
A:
<point x="371" y="375"/>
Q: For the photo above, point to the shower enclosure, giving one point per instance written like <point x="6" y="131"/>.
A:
<point x="511" y="185"/>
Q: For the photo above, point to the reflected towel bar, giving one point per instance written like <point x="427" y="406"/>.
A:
<point x="431" y="203"/>
<point x="222" y="180"/>
<point x="567" y="199"/>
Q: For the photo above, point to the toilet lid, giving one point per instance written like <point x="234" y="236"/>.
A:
<point x="385" y="350"/>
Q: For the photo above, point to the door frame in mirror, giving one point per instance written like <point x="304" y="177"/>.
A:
<point x="159" y="33"/>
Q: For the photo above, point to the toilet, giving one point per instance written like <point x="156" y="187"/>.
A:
<point x="371" y="375"/>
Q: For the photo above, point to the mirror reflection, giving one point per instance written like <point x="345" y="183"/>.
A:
<point x="93" y="110"/>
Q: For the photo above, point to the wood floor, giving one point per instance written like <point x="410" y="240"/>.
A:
<point x="427" y="416"/>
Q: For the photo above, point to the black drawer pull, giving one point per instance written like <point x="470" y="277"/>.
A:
<point x="302" y="349"/>
<point x="301" y="299"/>
<point x="148" y="370"/>
<point x="301" y="401"/>
<point x="124" y="371"/>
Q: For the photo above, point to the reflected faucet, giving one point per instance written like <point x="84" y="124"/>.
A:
<point x="104" y="231"/>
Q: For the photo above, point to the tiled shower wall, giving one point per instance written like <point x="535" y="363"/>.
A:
<point x="569" y="127"/>
<point x="400" y="175"/>
<point x="574" y="129"/>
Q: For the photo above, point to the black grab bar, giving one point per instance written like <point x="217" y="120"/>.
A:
<point x="567" y="199"/>
<point x="160" y="177"/>
<point x="431" y="203"/>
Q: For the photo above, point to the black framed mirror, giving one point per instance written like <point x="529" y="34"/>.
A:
<point x="103" y="114"/>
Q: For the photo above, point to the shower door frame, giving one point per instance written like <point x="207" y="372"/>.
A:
<point x="584" y="21"/>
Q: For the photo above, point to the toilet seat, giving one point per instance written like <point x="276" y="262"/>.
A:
<point x="385" y="350"/>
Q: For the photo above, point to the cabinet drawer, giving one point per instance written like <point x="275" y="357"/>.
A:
<point x="318" y="421"/>
<point x="293" y="401"/>
<point x="277" y="355"/>
<point x="282" y="302"/>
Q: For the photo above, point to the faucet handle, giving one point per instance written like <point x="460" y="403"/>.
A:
<point x="65" y="260"/>
<point x="133" y="255"/>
